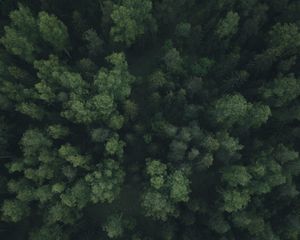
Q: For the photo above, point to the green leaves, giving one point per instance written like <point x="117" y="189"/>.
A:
<point x="228" y="25"/>
<point x="76" y="196"/>
<point x="106" y="182"/>
<point x="173" y="61"/>
<point x="235" y="200"/>
<point x="130" y="19"/>
<point x="157" y="205"/>
<point x="114" y="226"/>
<point x="183" y="29"/>
<point x="115" y="82"/>
<point x="104" y="104"/>
<point x="230" y="109"/>
<point x="284" y="37"/>
<point x="179" y="187"/>
<point x="20" y="37"/>
<point x="33" y="141"/>
<point x="159" y="200"/>
<point x="18" y="44"/>
<point x="236" y="175"/>
<point x="14" y="210"/>
<point x="114" y="146"/>
<point x="58" y="131"/>
<point x="51" y="232"/>
<point x="53" y="31"/>
<point x="281" y="91"/>
<point x="71" y="154"/>
<point x="94" y="42"/>
<point x="157" y="171"/>
<point x="196" y="104"/>
<point x="32" y="110"/>
<point x="234" y="109"/>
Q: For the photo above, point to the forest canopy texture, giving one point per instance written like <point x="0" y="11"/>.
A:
<point x="149" y="119"/>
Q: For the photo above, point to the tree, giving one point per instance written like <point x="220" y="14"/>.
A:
<point x="106" y="182"/>
<point x="76" y="196"/>
<point x="32" y="110"/>
<point x="53" y="31"/>
<point x="99" y="134"/>
<point x="94" y="42"/>
<point x="33" y="142"/>
<point x="183" y="29"/>
<point x="14" y="210"/>
<point x="114" y="146"/>
<point x="173" y="61"/>
<point x="114" y="226"/>
<point x="58" y="213"/>
<point x="283" y="41"/>
<point x="229" y="147"/>
<point x="117" y="81"/>
<point x="20" y="38"/>
<point x="179" y="187"/>
<point x="257" y="115"/>
<point x="228" y="25"/>
<point x="141" y="119"/>
<point x="202" y="67"/>
<point x="177" y="150"/>
<point x="157" y="205"/>
<point x="281" y="91"/>
<point x="130" y="19"/>
<point x="52" y="232"/>
<point x="58" y="131"/>
<point x="230" y="109"/>
<point x="284" y="38"/>
<point x="235" y="200"/>
<point x="157" y="172"/>
<point x="236" y="176"/>
<point x="103" y="104"/>
<point x="72" y="155"/>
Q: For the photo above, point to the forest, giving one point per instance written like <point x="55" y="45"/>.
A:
<point x="149" y="119"/>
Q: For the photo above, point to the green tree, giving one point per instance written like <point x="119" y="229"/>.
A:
<point x="228" y="25"/>
<point x="94" y="42"/>
<point x="114" y="226"/>
<point x="179" y="185"/>
<point x="53" y="31"/>
<point x="117" y="81"/>
<point x="52" y="232"/>
<point x="14" y="210"/>
<point x="236" y="176"/>
<point x="76" y="196"/>
<point x="114" y="146"/>
<point x="281" y="91"/>
<point x="183" y="29"/>
<point x="235" y="200"/>
<point x="173" y="61"/>
<point x="72" y="155"/>
<point x="130" y="19"/>
<point x="106" y="181"/>
<point x="157" y="172"/>
<point x="230" y="109"/>
<point x="157" y="205"/>
<point x="21" y="36"/>
<point x="58" y="131"/>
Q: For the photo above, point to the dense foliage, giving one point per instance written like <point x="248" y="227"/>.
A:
<point x="150" y="119"/>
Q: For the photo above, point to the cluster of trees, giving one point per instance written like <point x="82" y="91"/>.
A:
<point x="147" y="119"/>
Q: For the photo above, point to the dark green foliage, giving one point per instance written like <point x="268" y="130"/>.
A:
<point x="53" y="31"/>
<point x="228" y="25"/>
<point x="145" y="119"/>
<point x="130" y="20"/>
<point x="21" y="35"/>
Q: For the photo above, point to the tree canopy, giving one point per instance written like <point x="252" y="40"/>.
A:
<point x="147" y="119"/>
